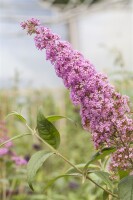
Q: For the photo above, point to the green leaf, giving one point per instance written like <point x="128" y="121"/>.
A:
<point x="18" y="116"/>
<point x="105" y="195"/>
<point x="123" y="173"/>
<point x="51" y="182"/>
<point x="54" y="118"/>
<point x="125" y="188"/>
<point x="105" y="178"/>
<point x="100" y="155"/>
<point x="47" y="131"/>
<point x="34" y="164"/>
<point x="81" y="167"/>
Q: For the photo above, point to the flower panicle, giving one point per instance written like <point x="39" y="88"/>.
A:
<point x="104" y="111"/>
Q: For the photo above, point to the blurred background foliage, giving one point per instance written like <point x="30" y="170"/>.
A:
<point x="75" y="142"/>
<point x="15" y="95"/>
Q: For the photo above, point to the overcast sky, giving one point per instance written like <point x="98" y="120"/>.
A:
<point x="17" y="50"/>
<point x="100" y="36"/>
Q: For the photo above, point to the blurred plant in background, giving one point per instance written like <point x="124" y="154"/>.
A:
<point x="9" y="165"/>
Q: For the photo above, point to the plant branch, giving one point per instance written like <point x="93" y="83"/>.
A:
<point x="14" y="138"/>
<point x="71" y="164"/>
<point x="102" y="187"/>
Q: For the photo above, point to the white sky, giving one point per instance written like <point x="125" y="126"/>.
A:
<point x="104" y="33"/>
<point x="99" y="33"/>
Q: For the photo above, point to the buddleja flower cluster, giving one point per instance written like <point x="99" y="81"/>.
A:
<point x="104" y="112"/>
<point x="6" y="150"/>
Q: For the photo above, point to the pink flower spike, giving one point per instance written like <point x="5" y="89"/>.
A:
<point x="104" y="112"/>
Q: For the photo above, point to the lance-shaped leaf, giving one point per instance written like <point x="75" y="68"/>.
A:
<point x="53" y="118"/>
<point x="47" y="131"/>
<point x="34" y="164"/>
<point x="104" y="176"/>
<point x="125" y="188"/>
<point x="18" y="116"/>
<point x="81" y="166"/>
<point x="100" y="155"/>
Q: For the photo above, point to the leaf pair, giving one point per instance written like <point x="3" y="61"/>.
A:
<point x="50" y="135"/>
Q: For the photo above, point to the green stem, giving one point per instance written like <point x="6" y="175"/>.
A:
<point x="102" y="187"/>
<point x="71" y="164"/>
<point x="57" y="153"/>
<point x="14" y="138"/>
<point x="48" y="145"/>
<point x="30" y="129"/>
